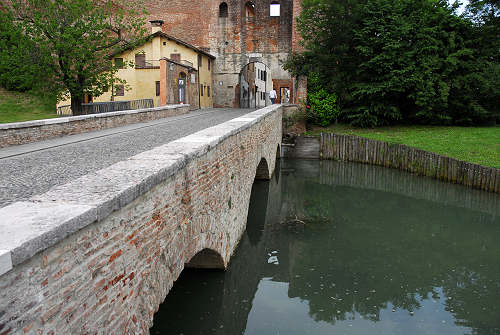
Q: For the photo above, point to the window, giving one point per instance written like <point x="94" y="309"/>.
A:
<point x="275" y="8"/>
<point x="140" y="60"/>
<point x="208" y="91"/>
<point x="209" y="64"/>
<point x="200" y="61"/>
<point x="175" y="57"/>
<point x="119" y="63"/>
<point x="157" y="83"/>
<point x="201" y="90"/>
<point x="249" y="9"/>
<point x="223" y="10"/>
<point x="119" y="90"/>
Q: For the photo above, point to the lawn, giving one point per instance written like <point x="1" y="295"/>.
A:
<point x="480" y="145"/>
<point x="16" y="107"/>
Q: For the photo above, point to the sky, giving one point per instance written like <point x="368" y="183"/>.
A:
<point x="462" y="7"/>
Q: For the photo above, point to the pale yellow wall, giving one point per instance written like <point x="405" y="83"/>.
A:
<point x="206" y="80"/>
<point x="191" y="56"/>
<point x="141" y="82"/>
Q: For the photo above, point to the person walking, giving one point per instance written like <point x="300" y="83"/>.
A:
<point x="272" y="96"/>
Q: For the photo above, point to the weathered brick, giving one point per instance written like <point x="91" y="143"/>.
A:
<point x="101" y="287"/>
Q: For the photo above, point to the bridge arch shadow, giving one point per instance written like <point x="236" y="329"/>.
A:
<point x="206" y="259"/>
<point x="263" y="172"/>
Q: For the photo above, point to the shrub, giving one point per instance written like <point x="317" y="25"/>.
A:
<point x="323" y="107"/>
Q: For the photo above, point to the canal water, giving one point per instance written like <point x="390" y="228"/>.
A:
<point x="343" y="248"/>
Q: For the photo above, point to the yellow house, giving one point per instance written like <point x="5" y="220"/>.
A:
<point x="193" y="66"/>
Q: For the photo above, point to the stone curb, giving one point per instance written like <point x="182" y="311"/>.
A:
<point x="29" y="227"/>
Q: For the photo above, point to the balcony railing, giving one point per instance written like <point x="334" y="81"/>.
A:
<point x="148" y="64"/>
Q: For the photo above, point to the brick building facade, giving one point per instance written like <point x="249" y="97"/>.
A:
<point x="237" y="32"/>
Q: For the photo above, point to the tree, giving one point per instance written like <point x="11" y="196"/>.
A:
<point x="399" y="61"/>
<point x="18" y="57"/>
<point x="74" y="41"/>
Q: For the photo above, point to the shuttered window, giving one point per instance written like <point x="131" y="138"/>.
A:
<point x="119" y="90"/>
<point x="140" y="60"/>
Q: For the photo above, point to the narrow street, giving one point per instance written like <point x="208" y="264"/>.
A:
<point x="32" y="169"/>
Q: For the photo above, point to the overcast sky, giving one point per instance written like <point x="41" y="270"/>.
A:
<point x="462" y="7"/>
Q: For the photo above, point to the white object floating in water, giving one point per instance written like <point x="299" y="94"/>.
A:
<point x="273" y="260"/>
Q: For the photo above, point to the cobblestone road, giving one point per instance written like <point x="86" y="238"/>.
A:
<point x="26" y="171"/>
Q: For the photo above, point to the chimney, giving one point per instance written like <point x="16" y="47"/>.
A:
<point x="156" y="25"/>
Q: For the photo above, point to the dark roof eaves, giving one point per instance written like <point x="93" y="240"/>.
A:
<point x="162" y="34"/>
<point x="180" y="64"/>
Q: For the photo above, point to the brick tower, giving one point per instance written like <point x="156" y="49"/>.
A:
<point x="237" y="32"/>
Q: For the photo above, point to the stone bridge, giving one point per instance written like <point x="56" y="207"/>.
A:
<point x="98" y="255"/>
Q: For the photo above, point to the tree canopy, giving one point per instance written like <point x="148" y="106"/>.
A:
<point x="65" y="46"/>
<point x="413" y="61"/>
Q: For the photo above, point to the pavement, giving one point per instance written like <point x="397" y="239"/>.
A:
<point x="32" y="169"/>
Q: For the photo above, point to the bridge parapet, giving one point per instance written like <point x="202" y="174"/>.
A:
<point x="100" y="253"/>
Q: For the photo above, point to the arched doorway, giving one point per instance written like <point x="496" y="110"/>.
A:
<point x="182" y="88"/>
<point x="255" y="82"/>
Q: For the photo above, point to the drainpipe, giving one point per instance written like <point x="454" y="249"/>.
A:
<point x="199" y="83"/>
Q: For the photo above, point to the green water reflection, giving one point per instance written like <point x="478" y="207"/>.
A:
<point x="338" y="248"/>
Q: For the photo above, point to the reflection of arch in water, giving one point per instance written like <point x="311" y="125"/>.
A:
<point x="176" y="314"/>
<point x="277" y="165"/>
<point x="255" y="82"/>
<point x="257" y="211"/>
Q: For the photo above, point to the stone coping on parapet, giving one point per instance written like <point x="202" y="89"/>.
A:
<point x="31" y="226"/>
<point x="68" y="119"/>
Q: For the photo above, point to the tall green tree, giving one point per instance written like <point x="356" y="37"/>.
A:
<point x="18" y="57"/>
<point x="399" y="61"/>
<point x="74" y="40"/>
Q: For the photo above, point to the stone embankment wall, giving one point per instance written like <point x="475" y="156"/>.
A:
<point x="363" y="150"/>
<point x="33" y="131"/>
<point x="294" y="120"/>
<point x="99" y="255"/>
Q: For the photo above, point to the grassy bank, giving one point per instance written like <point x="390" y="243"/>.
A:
<point x="480" y="145"/>
<point x="16" y="107"/>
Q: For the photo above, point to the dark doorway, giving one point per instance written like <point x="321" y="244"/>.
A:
<point x="182" y="88"/>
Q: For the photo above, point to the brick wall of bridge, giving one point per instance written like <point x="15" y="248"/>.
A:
<point x="104" y="250"/>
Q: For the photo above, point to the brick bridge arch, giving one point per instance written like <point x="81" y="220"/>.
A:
<point x="100" y="254"/>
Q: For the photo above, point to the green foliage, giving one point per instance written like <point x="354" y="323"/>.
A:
<point x="406" y="61"/>
<point x="17" y="56"/>
<point x="72" y="40"/>
<point x="322" y="107"/>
